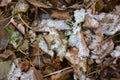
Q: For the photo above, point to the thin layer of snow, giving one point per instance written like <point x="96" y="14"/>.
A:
<point x="116" y="52"/>
<point x="45" y="24"/>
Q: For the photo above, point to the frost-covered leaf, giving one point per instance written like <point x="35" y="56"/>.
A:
<point x="78" y="63"/>
<point x="21" y="6"/>
<point x="109" y="23"/>
<point x="116" y="52"/>
<point x="55" y="42"/>
<point x="45" y="24"/>
<point x="93" y="40"/>
<point x="78" y="41"/>
<point x="91" y="22"/>
<point x="104" y="49"/>
<point x="43" y="45"/>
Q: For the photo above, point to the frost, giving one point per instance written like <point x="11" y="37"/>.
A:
<point x="32" y="36"/>
<point x="45" y="24"/>
<point x="55" y="42"/>
<point x="78" y="41"/>
<point x="116" y="52"/>
<point x="79" y="16"/>
<point x="43" y="45"/>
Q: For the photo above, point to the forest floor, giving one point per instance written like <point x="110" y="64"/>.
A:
<point x="59" y="39"/>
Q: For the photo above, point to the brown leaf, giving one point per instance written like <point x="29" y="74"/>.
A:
<point x="68" y="1"/>
<point x="54" y="2"/>
<point x="91" y="22"/>
<point x="37" y="74"/>
<point x="4" y="38"/>
<point x="25" y="65"/>
<point x="76" y="6"/>
<point x="99" y="5"/>
<point x="38" y="3"/>
<point x="104" y="49"/>
<point x="8" y="54"/>
<point x="61" y="15"/>
<point x="4" y="2"/>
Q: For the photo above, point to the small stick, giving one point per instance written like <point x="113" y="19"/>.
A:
<point x="56" y="72"/>
<point x="24" y="22"/>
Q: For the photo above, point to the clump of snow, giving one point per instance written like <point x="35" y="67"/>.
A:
<point x="79" y="16"/>
<point x="116" y="52"/>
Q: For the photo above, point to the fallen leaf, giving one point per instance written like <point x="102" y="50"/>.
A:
<point x="19" y="26"/>
<point x="104" y="49"/>
<point x="38" y="4"/>
<point x="21" y="6"/>
<point x="61" y="15"/>
<point x="4" y="38"/>
<point x="56" y="42"/>
<point x="93" y="40"/>
<point x="76" y="6"/>
<point x="4" y="2"/>
<point x="24" y="65"/>
<point x="5" y="68"/>
<point x="91" y="22"/>
<point x="7" y="55"/>
<point x="99" y="5"/>
<point x="15" y="38"/>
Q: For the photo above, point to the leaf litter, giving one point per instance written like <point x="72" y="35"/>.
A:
<point x="59" y="40"/>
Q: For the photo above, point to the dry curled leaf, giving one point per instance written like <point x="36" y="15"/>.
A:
<point x="91" y="22"/>
<point x="61" y="15"/>
<point x="7" y="55"/>
<point x="38" y="3"/>
<point x="104" y="49"/>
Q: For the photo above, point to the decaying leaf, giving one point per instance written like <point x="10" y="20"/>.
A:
<point x="99" y="5"/>
<point x="19" y="26"/>
<point x="38" y="3"/>
<point x="15" y="37"/>
<point x="78" y="41"/>
<point x="91" y="22"/>
<point x="4" y="2"/>
<point x="61" y="15"/>
<point x="78" y="63"/>
<point x="104" y="49"/>
<point x="43" y="45"/>
<point x="5" y="68"/>
<point x="21" y="6"/>
<point x="93" y="40"/>
<point x="56" y="43"/>
<point x="109" y="22"/>
<point x="8" y="54"/>
<point x="24" y="46"/>
<point x="4" y="38"/>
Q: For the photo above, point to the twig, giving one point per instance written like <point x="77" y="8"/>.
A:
<point x="24" y="22"/>
<point x="56" y="72"/>
<point x="93" y="72"/>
